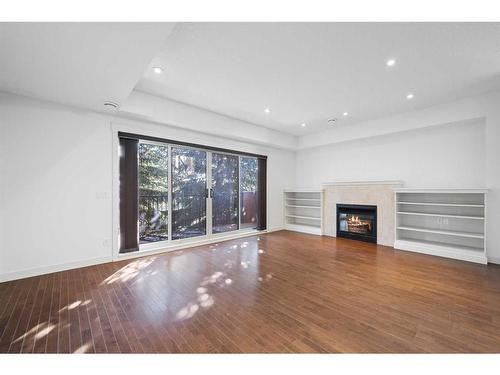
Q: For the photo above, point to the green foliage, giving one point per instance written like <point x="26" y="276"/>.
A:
<point x="248" y="179"/>
<point x="153" y="167"/>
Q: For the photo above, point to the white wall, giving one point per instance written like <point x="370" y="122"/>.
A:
<point x="55" y="161"/>
<point x="439" y="156"/>
<point x="56" y="183"/>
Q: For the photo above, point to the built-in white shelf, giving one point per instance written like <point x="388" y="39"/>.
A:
<point x="446" y="232"/>
<point x="304" y="199"/>
<point x="303" y="210"/>
<point x="444" y="222"/>
<point x="297" y="206"/>
<point x="304" y="217"/>
<point x="440" y="215"/>
<point x="442" y="204"/>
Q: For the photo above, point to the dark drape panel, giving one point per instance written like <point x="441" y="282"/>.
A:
<point x="262" y="195"/>
<point x="128" y="195"/>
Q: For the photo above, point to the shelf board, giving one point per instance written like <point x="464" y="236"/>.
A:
<point x="310" y="191"/>
<point x="304" y="228"/>
<point x="442" y="204"/>
<point x="440" y="215"/>
<point x="304" y="217"/>
<point x="444" y="245"/>
<point x="293" y="205"/>
<point x="442" y="191"/>
<point x="305" y="199"/>
<point x="445" y="232"/>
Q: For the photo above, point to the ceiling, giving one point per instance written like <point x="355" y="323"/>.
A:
<point x="81" y="64"/>
<point x="303" y="72"/>
<point x="310" y="72"/>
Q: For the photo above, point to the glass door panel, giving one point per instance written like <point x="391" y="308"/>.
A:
<point x="189" y="182"/>
<point x="224" y="193"/>
<point x="248" y="195"/>
<point x="153" y="193"/>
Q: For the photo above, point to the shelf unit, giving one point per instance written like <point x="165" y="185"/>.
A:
<point x="303" y="210"/>
<point x="443" y="222"/>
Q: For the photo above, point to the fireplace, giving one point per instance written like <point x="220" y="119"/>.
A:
<point x="358" y="222"/>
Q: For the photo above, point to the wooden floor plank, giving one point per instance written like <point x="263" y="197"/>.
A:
<point x="272" y="293"/>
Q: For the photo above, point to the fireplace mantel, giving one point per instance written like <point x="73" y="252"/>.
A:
<point x="377" y="193"/>
<point x="356" y="183"/>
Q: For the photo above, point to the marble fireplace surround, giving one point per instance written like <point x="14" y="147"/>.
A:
<point x="378" y="193"/>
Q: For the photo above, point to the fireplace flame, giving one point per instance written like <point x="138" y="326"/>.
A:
<point x="355" y="224"/>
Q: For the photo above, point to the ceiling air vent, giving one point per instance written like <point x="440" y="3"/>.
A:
<point x="111" y="105"/>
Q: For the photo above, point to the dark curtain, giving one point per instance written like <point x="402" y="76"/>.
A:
<point x="262" y="194"/>
<point x="129" y="240"/>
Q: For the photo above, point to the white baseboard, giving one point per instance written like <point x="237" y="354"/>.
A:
<point x="275" y="229"/>
<point x="495" y="260"/>
<point x="36" y="271"/>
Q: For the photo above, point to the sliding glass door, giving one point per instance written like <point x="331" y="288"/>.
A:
<point x="224" y="194"/>
<point x="186" y="192"/>
<point x="189" y="183"/>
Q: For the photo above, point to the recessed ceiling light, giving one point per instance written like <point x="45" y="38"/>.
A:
<point x="267" y="110"/>
<point x="390" y="62"/>
<point x="303" y="124"/>
<point x="410" y="96"/>
<point x="345" y="114"/>
<point x="158" y="70"/>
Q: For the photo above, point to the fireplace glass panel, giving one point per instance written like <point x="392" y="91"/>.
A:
<point x="357" y="222"/>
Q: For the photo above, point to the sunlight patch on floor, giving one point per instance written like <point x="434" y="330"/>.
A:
<point x="44" y="332"/>
<point x="212" y="279"/>
<point x="37" y="332"/>
<point x="74" y="305"/>
<point x="129" y="272"/>
<point x="82" y="349"/>
<point x="188" y="311"/>
<point x="30" y="332"/>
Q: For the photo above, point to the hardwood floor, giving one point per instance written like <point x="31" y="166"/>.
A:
<point x="278" y="292"/>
